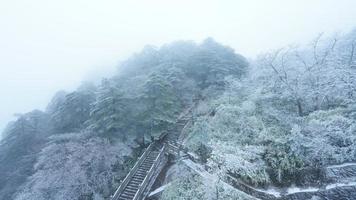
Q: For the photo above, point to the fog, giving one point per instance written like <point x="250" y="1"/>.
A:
<point x="46" y="45"/>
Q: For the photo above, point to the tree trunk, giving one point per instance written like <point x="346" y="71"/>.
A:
<point x="300" y="107"/>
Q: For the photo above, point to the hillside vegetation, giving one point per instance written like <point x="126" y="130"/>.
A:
<point x="292" y="115"/>
<point x="277" y="120"/>
<point x="87" y="140"/>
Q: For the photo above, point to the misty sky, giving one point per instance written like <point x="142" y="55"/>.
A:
<point x="50" y="45"/>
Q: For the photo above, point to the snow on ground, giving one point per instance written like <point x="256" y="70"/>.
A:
<point x="158" y="190"/>
<point x="278" y="192"/>
<point x="294" y="189"/>
<point x="271" y="190"/>
<point x="341" y="165"/>
<point x="199" y="169"/>
<point x="334" y="185"/>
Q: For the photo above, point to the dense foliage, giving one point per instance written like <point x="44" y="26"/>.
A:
<point x="87" y="140"/>
<point x="292" y="116"/>
<point x="188" y="185"/>
<point x="287" y="116"/>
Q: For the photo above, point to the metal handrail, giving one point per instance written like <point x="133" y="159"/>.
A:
<point x="149" y="175"/>
<point x="128" y="177"/>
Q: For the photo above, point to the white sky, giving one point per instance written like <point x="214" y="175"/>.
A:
<point x="47" y="45"/>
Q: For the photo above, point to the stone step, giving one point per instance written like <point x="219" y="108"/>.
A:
<point x="146" y="164"/>
<point x="138" y="175"/>
<point x="128" y="196"/>
<point x="153" y="155"/>
<point x="131" y="190"/>
<point x="149" y="160"/>
<point x="132" y="185"/>
<point x="138" y="178"/>
<point x="137" y="181"/>
<point x="145" y="167"/>
<point x="124" y="198"/>
<point x="129" y="193"/>
<point x="141" y="173"/>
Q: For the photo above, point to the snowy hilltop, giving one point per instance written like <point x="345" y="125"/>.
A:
<point x="281" y="126"/>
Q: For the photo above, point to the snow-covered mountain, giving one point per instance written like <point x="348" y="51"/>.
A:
<point x="285" y="121"/>
<point x="86" y="140"/>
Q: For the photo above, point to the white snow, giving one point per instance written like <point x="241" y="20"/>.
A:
<point x="292" y="190"/>
<point x="334" y="185"/>
<point x="278" y="192"/>
<point x="199" y="169"/>
<point x="272" y="191"/>
<point x="341" y="165"/>
<point x="158" y="190"/>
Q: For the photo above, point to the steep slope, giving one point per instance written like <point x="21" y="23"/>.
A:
<point x="87" y="140"/>
<point x="284" y="125"/>
<point x="23" y="140"/>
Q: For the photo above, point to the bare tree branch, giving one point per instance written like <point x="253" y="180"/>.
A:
<point x="352" y="52"/>
<point x="315" y="46"/>
<point x="328" y="51"/>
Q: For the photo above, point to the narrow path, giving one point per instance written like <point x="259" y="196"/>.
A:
<point x="139" y="180"/>
<point x="135" y="182"/>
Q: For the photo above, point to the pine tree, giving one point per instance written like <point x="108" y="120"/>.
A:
<point x="108" y="112"/>
<point x="73" y="110"/>
<point x="163" y="104"/>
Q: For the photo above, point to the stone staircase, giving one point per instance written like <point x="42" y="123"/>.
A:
<point x="136" y="184"/>
<point x="141" y="177"/>
<point x="132" y="187"/>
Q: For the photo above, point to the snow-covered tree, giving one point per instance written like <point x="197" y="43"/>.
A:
<point x="72" y="110"/>
<point x="76" y="166"/>
<point x="109" y="110"/>
<point x="163" y="105"/>
<point x="314" y="78"/>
